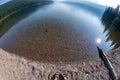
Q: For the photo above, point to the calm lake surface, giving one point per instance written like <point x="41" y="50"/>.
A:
<point x="58" y="32"/>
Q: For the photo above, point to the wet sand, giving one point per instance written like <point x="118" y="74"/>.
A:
<point x="13" y="67"/>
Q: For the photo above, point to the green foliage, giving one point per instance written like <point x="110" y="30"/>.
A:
<point x="111" y="20"/>
<point x="111" y="16"/>
<point x="15" y="5"/>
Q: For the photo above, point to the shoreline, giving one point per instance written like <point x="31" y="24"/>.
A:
<point x="17" y="68"/>
<point x="12" y="13"/>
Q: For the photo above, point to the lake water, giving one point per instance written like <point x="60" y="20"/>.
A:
<point x="58" y="32"/>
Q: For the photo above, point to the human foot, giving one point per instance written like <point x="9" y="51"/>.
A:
<point x="59" y="76"/>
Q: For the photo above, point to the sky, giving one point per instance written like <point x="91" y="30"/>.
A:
<point x="3" y="1"/>
<point x="112" y="3"/>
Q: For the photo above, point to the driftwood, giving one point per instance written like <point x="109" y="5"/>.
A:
<point x="108" y="64"/>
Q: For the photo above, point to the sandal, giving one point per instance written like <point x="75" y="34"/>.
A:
<point x="57" y="76"/>
<point x="65" y="77"/>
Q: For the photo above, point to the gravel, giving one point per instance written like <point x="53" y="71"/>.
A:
<point x="13" y="67"/>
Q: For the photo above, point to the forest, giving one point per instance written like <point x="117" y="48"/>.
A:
<point x="111" y="17"/>
<point x="111" y="20"/>
<point x="15" y="5"/>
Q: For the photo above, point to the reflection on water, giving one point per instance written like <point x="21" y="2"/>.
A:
<point x="57" y="32"/>
<point x="111" y="20"/>
<point x="10" y="21"/>
<point x="93" y="8"/>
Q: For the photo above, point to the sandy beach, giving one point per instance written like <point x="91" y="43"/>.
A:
<point x="13" y="67"/>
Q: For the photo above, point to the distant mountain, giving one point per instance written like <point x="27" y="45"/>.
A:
<point x="96" y="9"/>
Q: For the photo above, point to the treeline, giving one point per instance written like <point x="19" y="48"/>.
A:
<point x="111" y="20"/>
<point x="111" y="17"/>
<point x="15" y="5"/>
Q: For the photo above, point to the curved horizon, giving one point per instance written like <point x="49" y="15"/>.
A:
<point x="111" y="3"/>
